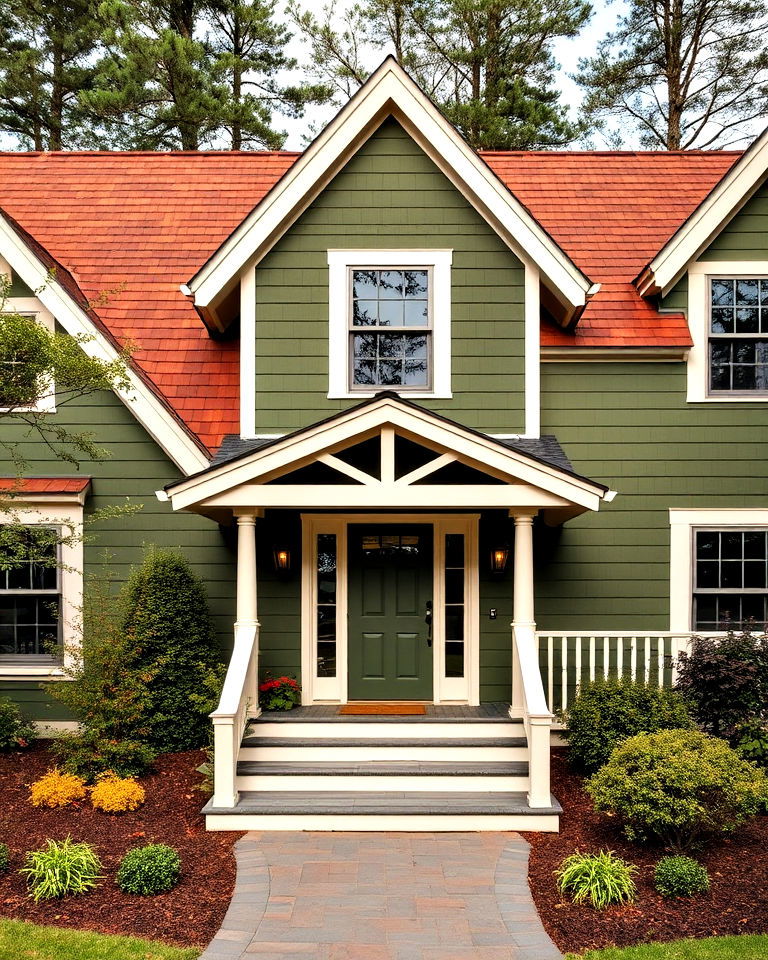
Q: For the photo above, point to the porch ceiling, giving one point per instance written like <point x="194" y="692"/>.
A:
<point x="458" y="468"/>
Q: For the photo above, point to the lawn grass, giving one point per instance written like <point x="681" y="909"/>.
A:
<point x="711" y="948"/>
<point x="27" y="941"/>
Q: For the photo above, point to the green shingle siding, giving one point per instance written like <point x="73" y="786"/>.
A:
<point x="745" y="236"/>
<point x="390" y="195"/>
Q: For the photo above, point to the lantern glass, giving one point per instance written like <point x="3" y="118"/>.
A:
<point x="499" y="557"/>
<point x="282" y="559"/>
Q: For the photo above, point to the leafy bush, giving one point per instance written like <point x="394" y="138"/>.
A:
<point x="114" y="794"/>
<point x="607" y="712"/>
<point x="600" y="879"/>
<point x="88" y="754"/>
<point x="751" y="741"/>
<point x="680" y="877"/>
<point x="677" y="785"/>
<point x="168" y="625"/>
<point x="279" y="693"/>
<point x="5" y="858"/>
<point x="149" y="870"/>
<point x="725" y="680"/>
<point x="15" y="733"/>
<point x="60" y="869"/>
<point x="57" y="789"/>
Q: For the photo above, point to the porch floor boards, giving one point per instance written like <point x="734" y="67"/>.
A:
<point x="256" y="741"/>
<point x="435" y="713"/>
<point x="383" y="768"/>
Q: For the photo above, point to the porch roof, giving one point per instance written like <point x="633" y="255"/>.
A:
<point x="531" y="474"/>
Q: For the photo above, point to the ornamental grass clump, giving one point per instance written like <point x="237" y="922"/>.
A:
<point x="680" y="877"/>
<point x="599" y="879"/>
<point x="279" y="693"/>
<point x="113" y="794"/>
<point x="61" y="868"/>
<point x="57" y="789"/>
<point x="149" y="870"/>
<point x="678" y="786"/>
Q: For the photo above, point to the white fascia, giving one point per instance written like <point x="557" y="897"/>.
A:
<point x="532" y="352"/>
<point x="683" y="522"/>
<point x="390" y="91"/>
<point x="707" y="220"/>
<point x="339" y="263"/>
<point x="698" y="323"/>
<point x="139" y="398"/>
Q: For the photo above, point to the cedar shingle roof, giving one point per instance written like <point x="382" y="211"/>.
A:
<point x="142" y="224"/>
<point x="18" y="487"/>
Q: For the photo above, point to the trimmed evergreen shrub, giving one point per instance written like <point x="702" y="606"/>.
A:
<point x="725" y="680"/>
<point x="604" y="713"/>
<point x="148" y="870"/>
<point x="15" y="732"/>
<point x="600" y="879"/>
<point x="680" y="877"/>
<point x="5" y="858"/>
<point x="60" y="869"/>
<point x="678" y="785"/>
<point x="168" y="625"/>
<point x="88" y="754"/>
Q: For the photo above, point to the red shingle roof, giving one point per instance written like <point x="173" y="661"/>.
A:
<point x="142" y="224"/>
<point x="27" y="485"/>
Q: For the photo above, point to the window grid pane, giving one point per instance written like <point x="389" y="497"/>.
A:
<point x="454" y="584"/>
<point x="326" y="604"/>
<point x="730" y="579"/>
<point x="738" y="330"/>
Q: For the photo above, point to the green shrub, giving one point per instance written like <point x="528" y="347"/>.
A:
<point x="60" y="869"/>
<point x="15" y="733"/>
<point x="88" y="755"/>
<point x="678" y="785"/>
<point x="725" y="680"/>
<point x="168" y="624"/>
<point x="751" y="742"/>
<point x="149" y="870"/>
<point x="607" y="712"/>
<point x="680" y="877"/>
<point x="5" y="858"/>
<point x="600" y="879"/>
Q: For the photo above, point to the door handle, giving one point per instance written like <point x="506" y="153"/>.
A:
<point x="428" y="621"/>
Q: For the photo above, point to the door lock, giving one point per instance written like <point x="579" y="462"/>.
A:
<point x="492" y="613"/>
<point x="428" y="621"/>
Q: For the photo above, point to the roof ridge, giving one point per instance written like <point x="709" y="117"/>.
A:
<point x="203" y="154"/>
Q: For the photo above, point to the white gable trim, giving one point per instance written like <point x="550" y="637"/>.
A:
<point x="707" y="220"/>
<point x="390" y="91"/>
<point x="140" y="399"/>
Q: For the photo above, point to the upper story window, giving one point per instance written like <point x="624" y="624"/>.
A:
<point x="20" y="386"/>
<point x="738" y="335"/>
<point x="389" y="322"/>
<point x="390" y="329"/>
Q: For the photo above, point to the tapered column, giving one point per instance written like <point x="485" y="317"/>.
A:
<point x="523" y="595"/>
<point x="246" y="570"/>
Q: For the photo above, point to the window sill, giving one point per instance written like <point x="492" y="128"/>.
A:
<point x="53" y="671"/>
<point x="728" y="398"/>
<point x="405" y="394"/>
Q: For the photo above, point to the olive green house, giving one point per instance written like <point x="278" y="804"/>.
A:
<point x="445" y="433"/>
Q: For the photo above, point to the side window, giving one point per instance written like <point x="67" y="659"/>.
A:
<point x="730" y="579"/>
<point x="738" y="336"/>
<point x="30" y="593"/>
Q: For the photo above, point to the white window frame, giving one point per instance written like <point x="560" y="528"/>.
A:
<point x="69" y="518"/>
<point x="683" y="524"/>
<point x="31" y="308"/>
<point x="340" y="263"/>
<point x="699" y="276"/>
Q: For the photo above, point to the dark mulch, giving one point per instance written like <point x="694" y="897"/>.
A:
<point x="736" y="903"/>
<point x="188" y="915"/>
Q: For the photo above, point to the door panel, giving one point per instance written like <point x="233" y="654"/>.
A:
<point x="390" y="581"/>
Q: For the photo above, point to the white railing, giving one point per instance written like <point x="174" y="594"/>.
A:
<point x="568" y="658"/>
<point x="239" y="702"/>
<point x="537" y="716"/>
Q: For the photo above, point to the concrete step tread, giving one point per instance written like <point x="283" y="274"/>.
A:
<point x="254" y="741"/>
<point x="383" y="768"/>
<point x="377" y="803"/>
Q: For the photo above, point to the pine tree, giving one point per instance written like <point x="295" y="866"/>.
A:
<point x="683" y="73"/>
<point x="488" y="64"/>
<point x="47" y="49"/>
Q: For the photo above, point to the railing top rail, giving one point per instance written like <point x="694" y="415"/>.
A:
<point x="556" y="634"/>
<point x="533" y="688"/>
<point x="234" y="683"/>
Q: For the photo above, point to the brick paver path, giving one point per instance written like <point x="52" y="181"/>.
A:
<point x="382" y="896"/>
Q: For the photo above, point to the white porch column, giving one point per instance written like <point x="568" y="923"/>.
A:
<point x="246" y="569"/>
<point x="523" y="594"/>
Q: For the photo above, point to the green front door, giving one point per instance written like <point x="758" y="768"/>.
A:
<point x="390" y="612"/>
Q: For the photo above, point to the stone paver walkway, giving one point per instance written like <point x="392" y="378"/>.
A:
<point x="382" y="896"/>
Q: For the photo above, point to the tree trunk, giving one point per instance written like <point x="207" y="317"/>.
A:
<point x="57" y="96"/>
<point x="237" y="83"/>
<point x="673" y="43"/>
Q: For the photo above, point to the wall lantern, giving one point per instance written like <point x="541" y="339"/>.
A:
<point x="499" y="557"/>
<point x="282" y="556"/>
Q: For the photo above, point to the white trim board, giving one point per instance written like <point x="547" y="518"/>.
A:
<point x="390" y="91"/>
<point x="683" y="522"/>
<point x="140" y="399"/>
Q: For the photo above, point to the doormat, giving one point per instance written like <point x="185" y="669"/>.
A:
<point x="383" y="709"/>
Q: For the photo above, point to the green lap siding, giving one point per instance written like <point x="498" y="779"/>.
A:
<point x="136" y="468"/>
<point x="390" y="195"/>
<point x="745" y="236"/>
<point x="629" y="426"/>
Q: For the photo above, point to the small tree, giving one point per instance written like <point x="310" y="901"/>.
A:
<point x="168" y="625"/>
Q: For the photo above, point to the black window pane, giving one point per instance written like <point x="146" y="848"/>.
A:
<point x="731" y="574"/>
<point x="747" y="320"/>
<point x="390" y="345"/>
<point x="707" y="574"/>
<point x="722" y="292"/>
<point x="390" y="373"/>
<point x="731" y="546"/>
<point x="744" y="351"/>
<point x="720" y="351"/>
<point x="454" y="550"/>
<point x="707" y="545"/>
<point x="754" y="545"/>
<point x="744" y="378"/>
<point x="722" y="320"/>
<point x="454" y="624"/>
<point x="754" y="574"/>
<point x="747" y="292"/>
<point x="454" y="586"/>
<point x="454" y="659"/>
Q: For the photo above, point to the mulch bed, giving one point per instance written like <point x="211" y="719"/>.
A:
<point x="188" y="915"/>
<point x="736" y="903"/>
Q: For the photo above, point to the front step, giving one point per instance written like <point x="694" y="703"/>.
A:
<point x="382" y="810"/>
<point x="382" y="775"/>
<point x="391" y="748"/>
<point x="361" y="728"/>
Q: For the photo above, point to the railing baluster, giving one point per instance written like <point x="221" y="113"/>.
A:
<point x="577" y="664"/>
<point x="592" y="659"/>
<point x="620" y="656"/>
<point x="564" y="674"/>
<point x="647" y="658"/>
<point x="550" y="672"/>
<point x="660" y="665"/>
<point x="606" y="656"/>
<point x="633" y="657"/>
